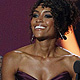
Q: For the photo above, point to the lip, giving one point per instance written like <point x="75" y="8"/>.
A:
<point x="40" y="28"/>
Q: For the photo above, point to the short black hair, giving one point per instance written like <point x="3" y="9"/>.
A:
<point x="64" y="12"/>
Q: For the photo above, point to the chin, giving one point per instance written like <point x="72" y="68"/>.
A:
<point x="45" y="38"/>
<point x="41" y="38"/>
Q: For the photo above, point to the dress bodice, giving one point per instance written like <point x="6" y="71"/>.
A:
<point x="24" y="76"/>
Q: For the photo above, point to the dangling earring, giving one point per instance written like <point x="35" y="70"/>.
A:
<point x="32" y="39"/>
<point x="62" y="36"/>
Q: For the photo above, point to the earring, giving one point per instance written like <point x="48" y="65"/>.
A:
<point x="32" y="39"/>
<point x="62" y="36"/>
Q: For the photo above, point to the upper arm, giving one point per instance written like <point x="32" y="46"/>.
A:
<point x="69" y="61"/>
<point x="9" y="66"/>
<point x="73" y="60"/>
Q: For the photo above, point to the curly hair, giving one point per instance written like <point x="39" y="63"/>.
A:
<point x="64" y="13"/>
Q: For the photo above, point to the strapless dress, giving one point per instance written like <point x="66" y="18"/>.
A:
<point x="24" y="76"/>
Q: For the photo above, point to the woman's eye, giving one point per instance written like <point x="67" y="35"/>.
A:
<point x="48" y="16"/>
<point x="35" y="15"/>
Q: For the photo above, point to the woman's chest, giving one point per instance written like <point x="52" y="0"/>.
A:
<point x="42" y="70"/>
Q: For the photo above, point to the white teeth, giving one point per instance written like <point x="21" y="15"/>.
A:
<point x="39" y="27"/>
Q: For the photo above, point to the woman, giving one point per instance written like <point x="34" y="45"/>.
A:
<point x="44" y="60"/>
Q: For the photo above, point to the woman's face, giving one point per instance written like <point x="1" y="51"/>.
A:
<point x="42" y="23"/>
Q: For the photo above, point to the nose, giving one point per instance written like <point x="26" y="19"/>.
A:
<point x="39" y="19"/>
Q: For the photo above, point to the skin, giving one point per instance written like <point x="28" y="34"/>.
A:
<point x="42" y="60"/>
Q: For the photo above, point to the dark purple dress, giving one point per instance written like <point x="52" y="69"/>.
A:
<point x="24" y="76"/>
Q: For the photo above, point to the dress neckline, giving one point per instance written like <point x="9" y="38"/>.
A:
<point x="63" y="73"/>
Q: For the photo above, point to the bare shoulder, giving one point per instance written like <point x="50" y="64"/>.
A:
<point x="15" y="56"/>
<point x="11" y="62"/>
<point x="10" y="65"/>
<point x="27" y="49"/>
<point x="68" y="55"/>
<point x="71" y="57"/>
<point x="68" y="60"/>
<point x="12" y="59"/>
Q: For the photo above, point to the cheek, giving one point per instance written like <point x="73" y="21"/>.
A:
<point x="50" y="23"/>
<point x="51" y="28"/>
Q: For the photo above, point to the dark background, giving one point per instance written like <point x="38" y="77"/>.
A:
<point x="14" y="24"/>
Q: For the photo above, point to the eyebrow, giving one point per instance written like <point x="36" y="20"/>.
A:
<point x="36" y="11"/>
<point x="44" y="11"/>
<point x="47" y="11"/>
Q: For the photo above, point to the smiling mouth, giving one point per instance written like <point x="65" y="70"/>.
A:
<point x="40" y="27"/>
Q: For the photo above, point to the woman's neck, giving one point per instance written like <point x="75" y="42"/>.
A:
<point x="45" y="48"/>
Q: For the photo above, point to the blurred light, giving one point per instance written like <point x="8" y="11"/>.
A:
<point x="71" y="43"/>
